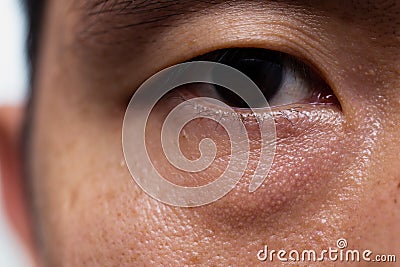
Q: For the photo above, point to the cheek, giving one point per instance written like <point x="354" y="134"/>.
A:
<point x="315" y="148"/>
<point x="82" y="189"/>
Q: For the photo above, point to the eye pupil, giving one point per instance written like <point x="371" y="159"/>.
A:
<point x="263" y="67"/>
<point x="267" y="75"/>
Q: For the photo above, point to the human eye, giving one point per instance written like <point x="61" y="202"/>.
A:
<point x="303" y="122"/>
<point x="302" y="105"/>
<point x="283" y="79"/>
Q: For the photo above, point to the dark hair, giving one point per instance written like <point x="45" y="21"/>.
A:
<point x="35" y="11"/>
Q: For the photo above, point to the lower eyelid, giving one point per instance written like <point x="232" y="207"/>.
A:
<point x="289" y="112"/>
<point x="294" y="124"/>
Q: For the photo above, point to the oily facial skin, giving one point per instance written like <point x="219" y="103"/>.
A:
<point x="335" y="172"/>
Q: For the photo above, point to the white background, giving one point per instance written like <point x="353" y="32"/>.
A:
<point x="12" y="91"/>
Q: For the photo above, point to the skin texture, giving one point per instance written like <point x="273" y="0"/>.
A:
<point x="335" y="173"/>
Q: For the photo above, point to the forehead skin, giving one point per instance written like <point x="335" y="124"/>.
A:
<point x="94" y="54"/>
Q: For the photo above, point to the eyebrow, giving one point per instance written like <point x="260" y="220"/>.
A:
<point x="132" y="6"/>
<point x="148" y="11"/>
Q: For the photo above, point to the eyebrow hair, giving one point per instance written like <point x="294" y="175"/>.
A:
<point x="107" y="16"/>
<point x="131" y="6"/>
<point x="150" y="11"/>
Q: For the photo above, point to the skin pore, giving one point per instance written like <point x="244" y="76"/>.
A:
<point x="335" y="173"/>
